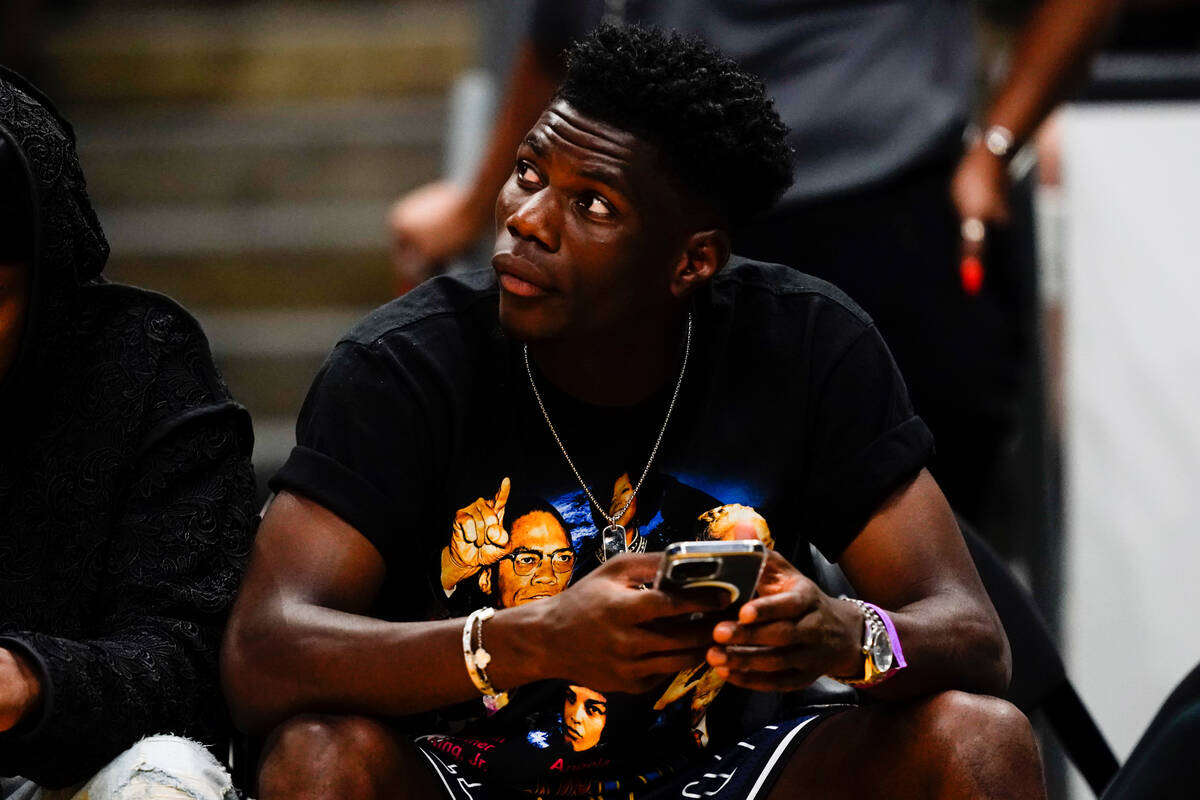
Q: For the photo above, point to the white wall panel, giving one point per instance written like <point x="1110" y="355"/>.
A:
<point x="1131" y="195"/>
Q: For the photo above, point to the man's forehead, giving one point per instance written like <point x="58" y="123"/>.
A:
<point x="539" y="525"/>
<point x="561" y="123"/>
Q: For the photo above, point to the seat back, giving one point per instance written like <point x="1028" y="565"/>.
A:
<point x="1039" y="679"/>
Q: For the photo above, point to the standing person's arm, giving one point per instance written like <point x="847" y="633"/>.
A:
<point x="439" y="220"/>
<point x="1051" y="53"/>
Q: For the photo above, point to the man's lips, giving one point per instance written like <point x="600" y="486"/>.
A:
<point x="520" y="276"/>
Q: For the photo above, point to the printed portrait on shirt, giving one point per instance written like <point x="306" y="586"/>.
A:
<point x="726" y="522"/>
<point x="585" y="713"/>
<point x="513" y="549"/>
<point x="539" y="562"/>
<point x="624" y="506"/>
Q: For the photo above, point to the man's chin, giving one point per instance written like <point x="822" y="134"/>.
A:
<point x="524" y="319"/>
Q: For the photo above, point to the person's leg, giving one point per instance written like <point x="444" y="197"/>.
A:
<point x="156" y="768"/>
<point x="324" y="756"/>
<point x="949" y="746"/>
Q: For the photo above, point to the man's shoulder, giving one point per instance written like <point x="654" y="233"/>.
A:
<point x="790" y="295"/>
<point x="446" y="301"/>
<point x="152" y="359"/>
<point x="121" y="311"/>
<point x="146" y="332"/>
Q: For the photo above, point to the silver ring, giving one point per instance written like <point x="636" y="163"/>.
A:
<point x="973" y="230"/>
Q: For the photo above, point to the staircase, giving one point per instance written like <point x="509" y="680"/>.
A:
<point x="242" y="156"/>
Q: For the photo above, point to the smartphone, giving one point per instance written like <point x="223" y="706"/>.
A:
<point x="733" y="565"/>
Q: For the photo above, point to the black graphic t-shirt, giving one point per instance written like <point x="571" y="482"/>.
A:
<point x="421" y="431"/>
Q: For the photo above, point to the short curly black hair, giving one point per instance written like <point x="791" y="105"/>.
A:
<point x="716" y="132"/>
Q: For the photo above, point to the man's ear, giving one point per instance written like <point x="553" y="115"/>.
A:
<point x="704" y="255"/>
<point x="485" y="580"/>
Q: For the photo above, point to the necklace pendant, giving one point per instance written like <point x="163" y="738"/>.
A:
<point x="613" y="538"/>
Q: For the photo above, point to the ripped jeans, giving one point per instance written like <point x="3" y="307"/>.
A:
<point x="156" y="768"/>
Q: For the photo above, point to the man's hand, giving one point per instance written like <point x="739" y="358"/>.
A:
<point x="791" y="634"/>
<point x="20" y="690"/>
<point x="428" y="226"/>
<point x="980" y="193"/>
<point x="611" y="635"/>
<point x="478" y="538"/>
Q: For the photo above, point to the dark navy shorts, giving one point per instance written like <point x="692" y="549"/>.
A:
<point x="745" y="771"/>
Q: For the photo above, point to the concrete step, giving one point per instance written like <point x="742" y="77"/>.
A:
<point x="228" y="230"/>
<point x="284" y="152"/>
<point x="303" y="279"/>
<point x="262" y="51"/>
<point x="242" y="156"/>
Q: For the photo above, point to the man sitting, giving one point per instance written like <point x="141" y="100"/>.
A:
<point x="125" y="500"/>
<point x="624" y="337"/>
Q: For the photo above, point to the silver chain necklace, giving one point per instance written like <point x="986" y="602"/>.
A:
<point x="613" y="536"/>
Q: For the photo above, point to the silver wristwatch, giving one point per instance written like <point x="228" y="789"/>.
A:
<point x="878" y="658"/>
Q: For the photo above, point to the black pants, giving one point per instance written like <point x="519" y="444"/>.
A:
<point x="894" y="248"/>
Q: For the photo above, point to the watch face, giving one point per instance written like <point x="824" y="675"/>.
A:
<point x="881" y="652"/>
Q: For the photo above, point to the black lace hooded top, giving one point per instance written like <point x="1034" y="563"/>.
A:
<point x="125" y="486"/>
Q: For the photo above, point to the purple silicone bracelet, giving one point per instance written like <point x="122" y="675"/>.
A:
<point x="894" y="637"/>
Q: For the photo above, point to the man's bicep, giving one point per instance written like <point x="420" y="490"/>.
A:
<point x="911" y="549"/>
<point x="862" y="438"/>
<point x="306" y="553"/>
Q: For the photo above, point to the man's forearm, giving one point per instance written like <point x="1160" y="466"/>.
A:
<point x="300" y="639"/>
<point x="948" y="644"/>
<point x="294" y="657"/>
<point x="911" y="561"/>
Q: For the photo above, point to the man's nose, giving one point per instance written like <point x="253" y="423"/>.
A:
<point x="545" y="571"/>
<point x="537" y="219"/>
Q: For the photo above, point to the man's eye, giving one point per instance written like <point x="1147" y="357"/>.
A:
<point x="526" y="173"/>
<point x="527" y="559"/>
<point x="596" y="206"/>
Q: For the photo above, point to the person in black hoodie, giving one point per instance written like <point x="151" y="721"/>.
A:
<point x="126" y="497"/>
